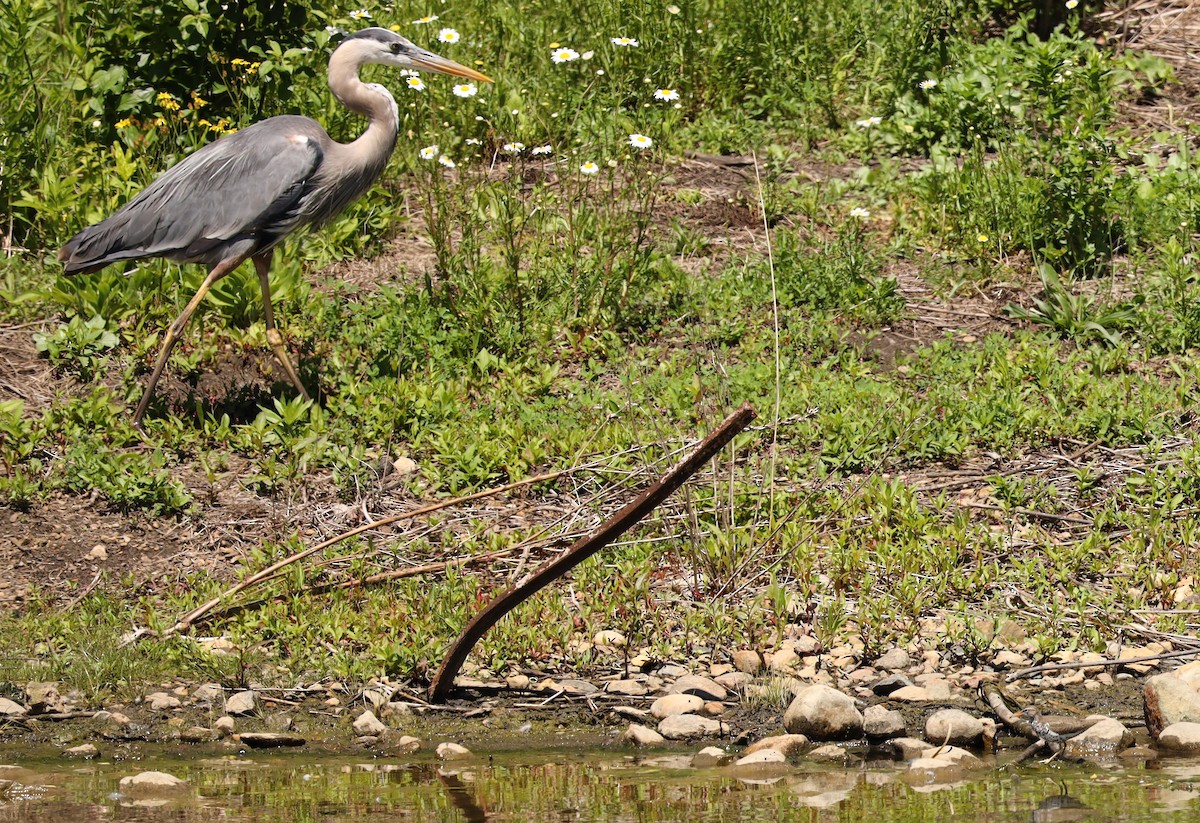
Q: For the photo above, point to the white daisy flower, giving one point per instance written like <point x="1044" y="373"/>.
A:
<point x="429" y="152"/>
<point x="513" y="148"/>
<point x="1072" y="3"/>
<point x="472" y="141"/>
<point x="465" y="90"/>
<point x="868" y="122"/>
<point x="587" y="55"/>
<point x="666" y="94"/>
<point x="926" y="85"/>
<point x="564" y="55"/>
<point x="429" y="18"/>
<point x="415" y="83"/>
<point x="589" y="168"/>
<point x="446" y="161"/>
<point x="541" y="150"/>
<point x="625" y="41"/>
<point x="859" y="213"/>
<point x="360" y="14"/>
<point x="448" y="36"/>
<point x="640" y="141"/>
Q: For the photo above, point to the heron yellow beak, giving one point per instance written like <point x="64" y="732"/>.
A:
<point x="428" y="61"/>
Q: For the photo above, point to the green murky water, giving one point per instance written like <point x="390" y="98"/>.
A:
<point x="557" y="786"/>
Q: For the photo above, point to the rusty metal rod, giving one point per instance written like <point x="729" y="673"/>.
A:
<point x="584" y="548"/>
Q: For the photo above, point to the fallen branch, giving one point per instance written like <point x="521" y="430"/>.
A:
<point x="1112" y="661"/>
<point x="610" y="530"/>
<point x="191" y="617"/>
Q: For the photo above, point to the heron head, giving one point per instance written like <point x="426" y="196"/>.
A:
<point x="377" y="45"/>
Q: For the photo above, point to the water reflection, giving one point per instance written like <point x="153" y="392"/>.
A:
<point x="529" y="787"/>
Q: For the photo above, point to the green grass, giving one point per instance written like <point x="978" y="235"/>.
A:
<point x="566" y="317"/>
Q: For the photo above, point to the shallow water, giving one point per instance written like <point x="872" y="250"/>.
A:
<point x="591" y="785"/>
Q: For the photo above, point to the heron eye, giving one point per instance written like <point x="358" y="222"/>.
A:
<point x="395" y="48"/>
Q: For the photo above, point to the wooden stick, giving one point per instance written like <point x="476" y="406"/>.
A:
<point x="584" y="548"/>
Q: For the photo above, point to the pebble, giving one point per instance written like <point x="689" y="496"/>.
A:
<point x="639" y="735"/>
<point x="452" y="751"/>
<point x="161" y="702"/>
<point x="703" y="687"/>
<point x="747" y="661"/>
<point x="208" y="693"/>
<point x="829" y="753"/>
<point x="673" y="704"/>
<point x="783" y="660"/>
<point x="690" y="727"/>
<point x="368" y="724"/>
<point x="734" y="681"/>
<point x="894" y="659"/>
<point x="1106" y="737"/>
<point x="9" y="708"/>
<point x="672" y="671"/>
<point x="789" y="745"/>
<point x="224" y="726"/>
<point x="823" y="713"/>
<point x="578" y="687"/>
<point x="519" y="682"/>
<point x="1181" y="737"/>
<point x="43" y="698"/>
<point x="197" y="734"/>
<point x="242" y="704"/>
<point x="86" y="751"/>
<point x="761" y="764"/>
<point x="886" y="686"/>
<point x="909" y="748"/>
<point x="610" y="638"/>
<point x="630" y="688"/>
<point x="881" y="723"/>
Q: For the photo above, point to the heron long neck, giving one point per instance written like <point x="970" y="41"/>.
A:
<point x="373" y="148"/>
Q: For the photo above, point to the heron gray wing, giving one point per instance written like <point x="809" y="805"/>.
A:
<point x="247" y="186"/>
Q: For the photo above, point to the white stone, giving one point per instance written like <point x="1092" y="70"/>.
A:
<point x="152" y="783"/>
<point x="673" y="704"/>
<point x="241" y="704"/>
<point x="639" y="735"/>
<point x="368" y="724"/>
<point x="823" y="713"/>
<point x="690" y="727"/>
<point x="953" y="726"/>
<point x="452" y="751"/>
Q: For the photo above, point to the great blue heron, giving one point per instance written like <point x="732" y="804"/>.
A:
<point x="239" y="196"/>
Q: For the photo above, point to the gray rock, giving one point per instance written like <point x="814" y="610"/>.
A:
<point x="208" y="693"/>
<point x="639" y="735"/>
<point x="270" y="740"/>
<point x="690" y="727"/>
<point x="953" y="726"/>
<point x="747" y="661"/>
<point x="1169" y="700"/>
<point x="242" y="704"/>
<point x="43" y="698"/>
<point x="734" y="681"/>
<point x="8" y="708"/>
<point x="161" y="702"/>
<point x="672" y="704"/>
<point x="580" y="687"/>
<point x="909" y="748"/>
<point x="893" y="660"/>
<point x="670" y="670"/>
<point x="1107" y="737"/>
<point x="892" y="683"/>
<point x="1181" y="737"/>
<point x="406" y="744"/>
<point x="711" y="757"/>
<point x="453" y="751"/>
<point x="823" y="713"/>
<point x="368" y="724"/>
<point x="86" y="751"/>
<point x="630" y="688"/>
<point x="224" y="726"/>
<point x="703" y="687"/>
<point x="197" y="734"/>
<point x="152" y="783"/>
<point x="881" y="723"/>
<point x="789" y="745"/>
<point x="118" y="719"/>
<point x="829" y="753"/>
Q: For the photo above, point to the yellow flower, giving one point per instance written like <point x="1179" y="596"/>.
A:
<point x="237" y="61"/>
<point x="124" y="124"/>
<point x="198" y="102"/>
<point x="167" y="101"/>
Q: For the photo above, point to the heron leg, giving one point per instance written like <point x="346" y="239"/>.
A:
<point x="175" y="329"/>
<point x="262" y="263"/>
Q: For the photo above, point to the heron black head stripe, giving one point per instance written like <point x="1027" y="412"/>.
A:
<point x="374" y="33"/>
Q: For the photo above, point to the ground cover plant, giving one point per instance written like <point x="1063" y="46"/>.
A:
<point x="946" y="252"/>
